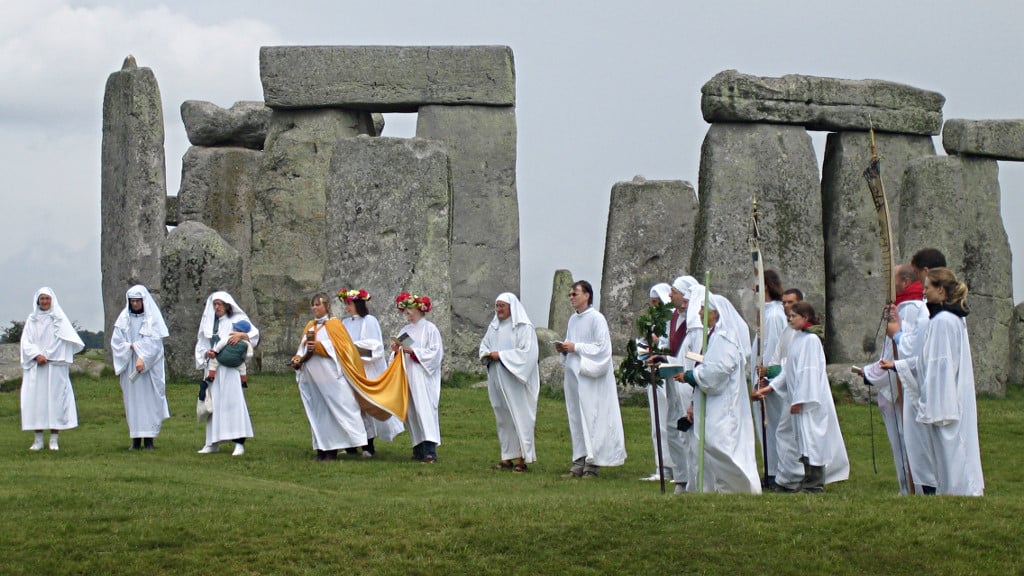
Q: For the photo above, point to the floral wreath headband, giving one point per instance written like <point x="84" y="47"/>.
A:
<point x="352" y="295"/>
<point x="406" y="301"/>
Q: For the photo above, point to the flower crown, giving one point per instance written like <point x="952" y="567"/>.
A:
<point x="350" y="295"/>
<point x="406" y="301"/>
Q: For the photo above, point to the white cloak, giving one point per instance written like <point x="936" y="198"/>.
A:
<point x="774" y="326"/>
<point x="47" y="399"/>
<point x="916" y="436"/>
<point x="948" y="406"/>
<point x="366" y="334"/>
<point x="424" y="376"/>
<point x="513" y="384"/>
<point x="591" y="398"/>
<point x="230" y="419"/>
<point x="816" y="426"/>
<point x="729" y="462"/>
<point x="679" y="397"/>
<point x="145" y="400"/>
<point x="331" y="407"/>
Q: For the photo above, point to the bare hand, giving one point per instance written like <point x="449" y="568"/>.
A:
<point x="139" y="365"/>
<point x="762" y="371"/>
<point x="235" y="337"/>
<point x="495" y="356"/>
<point x="795" y="408"/>
<point x="895" y="323"/>
<point x="40" y="360"/>
<point x="886" y="364"/>
<point x="679" y="376"/>
<point x="689" y="413"/>
<point x="565" y="347"/>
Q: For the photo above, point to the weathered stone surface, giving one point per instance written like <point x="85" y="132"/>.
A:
<point x="953" y="204"/>
<point x="386" y="78"/>
<point x="820" y="103"/>
<point x="245" y="124"/>
<point x="855" y="285"/>
<point x="841" y="378"/>
<point x="649" y="240"/>
<point x="10" y="365"/>
<point x="217" y="187"/>
<point x="778" y="163"/>
<point x="998" y="139"/>
<point x="171" y="203"/>
<point x="133" y="186"/>
<point x="552" y="375"/>
<point x="288" y="220"/>
<point x="1016" y="375"/>
<point x="560" y="309"/>
<point x="544" y="338"/>
<point x="481" y="143"/>
<point x="388" y="227"/>
<point x="196" y="262"/>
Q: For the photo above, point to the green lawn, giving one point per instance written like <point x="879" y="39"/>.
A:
<point x="95" y="508"/>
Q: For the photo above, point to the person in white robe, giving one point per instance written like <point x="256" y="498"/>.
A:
<point x="908" y="305"/>
<point x="422" y="358"/>
<point x="819" y="445"/>
<point x="230" y="420"/>
<point x="137" y="348"/>
<point x="730" y="465"/>
<point x="769" y="412"/>
<point x="49" y="343"/>
<point x="591" y="398"/>
<point x="509" y="351"/>
<point x="946" y="401"/>
<point x="334" y="415"/>
<point x="660" y="294"/>
<point x="909" y="343"/>
<point x="364" y="329"/>
<point x="679" y="395"/>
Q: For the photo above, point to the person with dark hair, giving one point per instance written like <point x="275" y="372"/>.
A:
<point x="137" y="349"/>
<point x="422" y="355"/>
<point x="792" y="295"/>
<point x="946" y="401"/>
<point x="49" y="343"/>
<point x="774" y="327"/>
<point x="364" y="329"/>
<point x="230" y="420"/>
<point x="904" y="436"/>
<point x="926" y="259"/>
<point x="819" y="446"/>
<point x="591" y="399"/>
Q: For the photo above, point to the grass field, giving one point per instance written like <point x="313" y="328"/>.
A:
<point x="95" y="508"/>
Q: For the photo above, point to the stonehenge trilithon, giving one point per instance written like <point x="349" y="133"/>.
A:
<point x="133" y="187"/>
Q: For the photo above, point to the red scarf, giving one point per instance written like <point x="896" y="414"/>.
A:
<point x="914" y="291"/>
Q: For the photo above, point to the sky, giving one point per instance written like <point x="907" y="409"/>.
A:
<point x="606" y="90"/>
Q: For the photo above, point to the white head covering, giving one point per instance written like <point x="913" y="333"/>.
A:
<point x="661" y="291"/>
<point x="518" y="312"/>
<point x="684" y="283"/>
<point x="153" y="321"/>
<point x="730" y="320"/>
<point x="65" y="330"/>
<point x="206" y="323"/>
<point x="695" y="294"/>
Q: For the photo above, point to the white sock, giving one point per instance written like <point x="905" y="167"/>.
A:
<point x="39" y="437"/>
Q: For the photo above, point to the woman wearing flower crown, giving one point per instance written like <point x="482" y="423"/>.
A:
<point x="364" y="329"/>
<point x="422" y="351"/>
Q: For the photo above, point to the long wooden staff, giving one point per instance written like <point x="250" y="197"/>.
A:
<point x="755" y="254"/>
<point x="873" y="175"/>
<point x="703" y="396"/>
<point x="653" y="371"/>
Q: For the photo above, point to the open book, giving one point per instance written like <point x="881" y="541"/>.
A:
<point x="670" y="370"/>
<point x="403" y="339"/>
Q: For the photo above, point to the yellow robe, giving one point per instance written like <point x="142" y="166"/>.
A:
<point x="383" y="397"/>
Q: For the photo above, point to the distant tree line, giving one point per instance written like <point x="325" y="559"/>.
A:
<point x="12" y="334"/>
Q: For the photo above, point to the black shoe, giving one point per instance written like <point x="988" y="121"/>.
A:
<point x="147" y="443"/>
<point x="136" y="444"/>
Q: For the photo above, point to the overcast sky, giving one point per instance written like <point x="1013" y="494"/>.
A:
<point x="605" y="91"/>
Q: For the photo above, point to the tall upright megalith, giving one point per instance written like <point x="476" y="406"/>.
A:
<point x="854" y="269"/>
<point x="389" y="225"/>
<point x="559" y="310"/>
<point x="133" y="186"/>
<point x="777" y="164"/>
<point x="649" y="240"/>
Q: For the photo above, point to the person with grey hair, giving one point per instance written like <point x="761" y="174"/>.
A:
<point x="137" y="348"/>
<point x="509" y="351"/>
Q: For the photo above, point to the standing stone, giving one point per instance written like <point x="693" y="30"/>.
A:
<point x="778" y="164"/>
<point x="997" y="139"/>
<point x="854" y="275"/>
<point x="196" y="262"/>
<point x="481" y="143"/>
<point x="1016" y="375"/>
<point x="386" y="78"/>
<point x="560" y="310"/>
<point x="819" y="103"/>
<point x="217" y="186"/>
<point x="649" y="240"/>
<point x="133" y="186"/>
<point x="288" y="220"/>
<point x="953" y="204"/>
<point x="389" y="226"/>
<point x="244" y="124"/>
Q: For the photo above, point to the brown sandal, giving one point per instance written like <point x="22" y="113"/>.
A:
<point x="519" y="467"/>
<point x="503" y="465"/>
